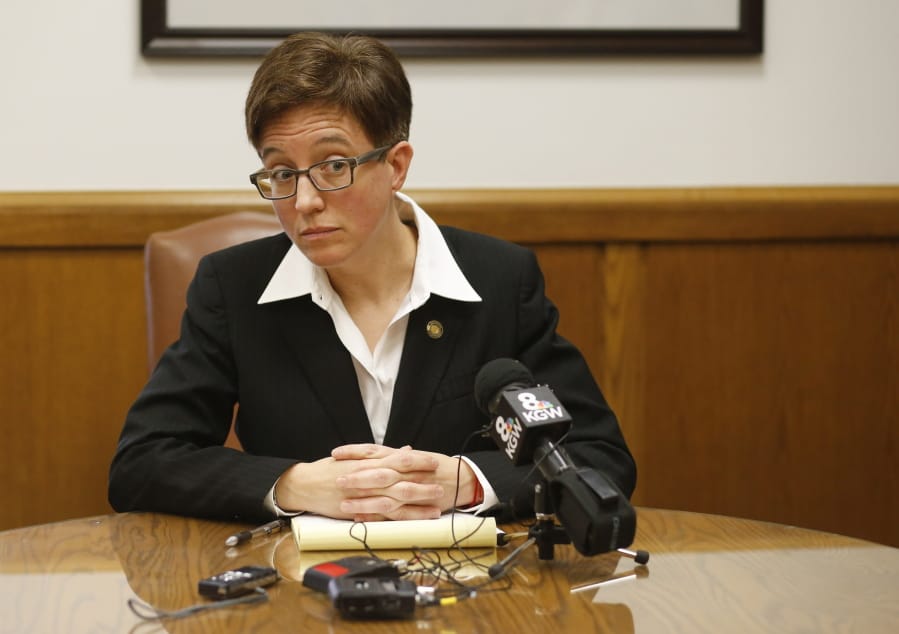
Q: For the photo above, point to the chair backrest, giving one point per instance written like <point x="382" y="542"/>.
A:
<point x="170" y="261"/>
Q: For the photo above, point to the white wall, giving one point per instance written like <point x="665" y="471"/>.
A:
<point x="80" y="109"/>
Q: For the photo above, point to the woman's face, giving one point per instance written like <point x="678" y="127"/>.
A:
<point x="333" y="228"/>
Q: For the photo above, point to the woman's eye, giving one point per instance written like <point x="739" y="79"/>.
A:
<point x="335" y="167"/>
<point x="282" y="176"/>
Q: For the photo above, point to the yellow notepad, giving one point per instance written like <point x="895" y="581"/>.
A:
<point x="314" y="532"/>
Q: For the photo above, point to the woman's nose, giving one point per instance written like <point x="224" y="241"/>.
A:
<point x="308" y="198"/>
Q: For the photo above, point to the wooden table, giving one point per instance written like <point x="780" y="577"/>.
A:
<point x="706" y="574"/>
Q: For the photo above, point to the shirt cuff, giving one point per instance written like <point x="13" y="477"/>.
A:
<point x="490" y="499"/>
<point x="272" y="504"/>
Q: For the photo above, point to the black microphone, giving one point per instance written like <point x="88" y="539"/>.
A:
<point x="526" y="415"/>
<point x="528" y="421"/>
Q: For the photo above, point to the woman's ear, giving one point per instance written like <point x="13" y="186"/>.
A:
<point x="400" y="158"/>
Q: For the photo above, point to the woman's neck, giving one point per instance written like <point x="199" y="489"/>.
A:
<point x="372" y="288"/>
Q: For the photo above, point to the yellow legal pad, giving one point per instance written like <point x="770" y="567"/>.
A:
<point x="314" y="532"/>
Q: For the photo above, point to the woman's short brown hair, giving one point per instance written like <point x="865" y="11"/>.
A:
<point x="357" y="74"/>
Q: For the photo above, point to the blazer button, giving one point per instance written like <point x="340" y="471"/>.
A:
<point x="434" y="329"/>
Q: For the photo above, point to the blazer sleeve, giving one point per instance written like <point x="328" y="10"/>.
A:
<point x="170" y="455"/>
<point x="595" y="439"/>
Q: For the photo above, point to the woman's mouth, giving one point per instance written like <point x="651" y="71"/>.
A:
<point x="313" y="233"/>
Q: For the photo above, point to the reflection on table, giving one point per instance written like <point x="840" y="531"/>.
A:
<point x="706" y="574"/>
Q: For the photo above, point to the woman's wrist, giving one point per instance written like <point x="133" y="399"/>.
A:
<point x="282" y="493"/>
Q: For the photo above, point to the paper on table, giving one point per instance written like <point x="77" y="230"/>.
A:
<point x="314" y="532"/>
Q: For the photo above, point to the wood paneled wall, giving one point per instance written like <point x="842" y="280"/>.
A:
<point x="747" y="338"/>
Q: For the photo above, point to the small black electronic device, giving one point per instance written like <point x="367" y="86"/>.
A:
<point x="373" y="597"/>
<point x="318" y="577"/>
<point x="234" y="583"/>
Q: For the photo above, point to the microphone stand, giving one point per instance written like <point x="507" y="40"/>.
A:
<point x="547" y="534"/>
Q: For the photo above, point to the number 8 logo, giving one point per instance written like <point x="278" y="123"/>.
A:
<point x="528" y="401"/>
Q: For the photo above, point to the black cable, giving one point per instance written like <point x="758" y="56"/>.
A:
<point x="427" y="567"/>
<point x="457" y="542"/>
<point x="147" y="612"/>
<point x="363" y="540"/>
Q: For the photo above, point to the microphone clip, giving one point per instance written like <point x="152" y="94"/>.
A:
<point x="545" y="532"/>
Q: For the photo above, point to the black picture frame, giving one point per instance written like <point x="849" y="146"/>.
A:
<point x="158" y="39"/>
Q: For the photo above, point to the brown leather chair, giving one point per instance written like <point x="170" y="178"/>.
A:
<point x="170" y="261"/>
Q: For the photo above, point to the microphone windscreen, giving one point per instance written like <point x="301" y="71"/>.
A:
<point x="495" y="377"/>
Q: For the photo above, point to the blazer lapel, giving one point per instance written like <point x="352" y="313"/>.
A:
<point x="431" y="336"/>
<point x="310" y="333"/>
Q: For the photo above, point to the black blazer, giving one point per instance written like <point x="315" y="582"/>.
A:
<point x="298" y="395"/>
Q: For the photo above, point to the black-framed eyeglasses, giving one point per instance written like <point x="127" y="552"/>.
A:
<point x="326" y="176"/>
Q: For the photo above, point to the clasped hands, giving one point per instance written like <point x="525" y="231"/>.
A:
<point x="368" y="482"/>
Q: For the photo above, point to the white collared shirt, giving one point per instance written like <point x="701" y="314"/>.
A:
<point x="435" y="272"/>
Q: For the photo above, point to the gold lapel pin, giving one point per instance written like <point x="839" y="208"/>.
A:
<point x="434" y="329"/>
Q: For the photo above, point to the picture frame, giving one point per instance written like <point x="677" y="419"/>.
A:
<point x="657" y="28"/>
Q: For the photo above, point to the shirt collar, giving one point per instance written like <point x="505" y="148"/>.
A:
<point x="436" y="270"/>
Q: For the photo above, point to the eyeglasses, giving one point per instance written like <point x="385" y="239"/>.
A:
<point x="326" y="176"/>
